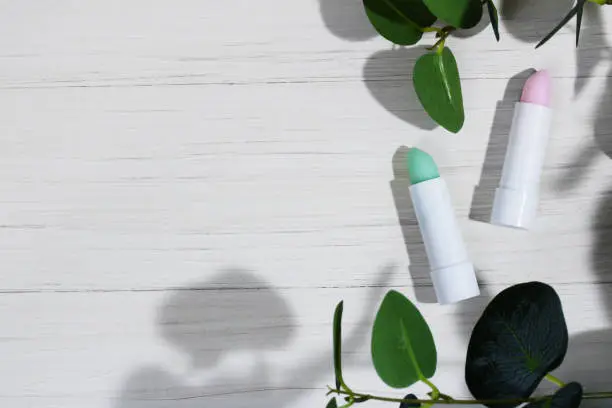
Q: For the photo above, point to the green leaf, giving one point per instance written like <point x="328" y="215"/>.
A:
<point x="494" y="17"/>
<point x="519" y="338"/>
<point x="437" y="84"/>
<point x="563" y="22"/>
<point x="403" y="349"/>
<point x="458" y="13"/>
<point x="570" y="396"/>
<point x="338" y="344"/>
<point x="399" y="21"/>
<point x="332" y="403"/>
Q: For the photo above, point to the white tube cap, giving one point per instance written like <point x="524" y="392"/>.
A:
<point x="455" y="283"/>
<point x="514" y="208"/>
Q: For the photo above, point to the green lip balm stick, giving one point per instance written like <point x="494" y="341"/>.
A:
<point x="452" y="272"/>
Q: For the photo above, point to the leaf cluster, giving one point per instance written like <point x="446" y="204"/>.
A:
<point x="435" y="75"/>
<point x="519" y="339"/>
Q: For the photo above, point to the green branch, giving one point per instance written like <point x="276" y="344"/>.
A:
<point x="515" y="401"/>
<point x="554" y="380"/>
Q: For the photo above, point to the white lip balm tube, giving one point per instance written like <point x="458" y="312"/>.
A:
<point x="452" y="273"/>
<point x="516" y="200"/>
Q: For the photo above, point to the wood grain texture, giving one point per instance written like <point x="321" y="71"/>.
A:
<point x="187" y="189"/>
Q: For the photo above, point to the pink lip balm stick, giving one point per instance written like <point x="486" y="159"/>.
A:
<point x="516" y="199"/>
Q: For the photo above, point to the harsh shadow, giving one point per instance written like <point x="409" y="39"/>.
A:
<point x="593" y="47"/>
<point x="214" y="327"/>
<point x="589" y="354"/>
<point x="346" y="19"/>
<point x="490" y="176"/>
<point x="531" y="20"/>
<point x="206" y="325"/>
<point x="419" y="264"/>
<point x="469" y="311"/>
<point x="603" y="122"/>
<point x="388" y="76"/>
<point x="578" y="168"/>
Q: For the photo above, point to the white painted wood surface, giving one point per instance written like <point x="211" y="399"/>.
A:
<point x="188" y="188"/>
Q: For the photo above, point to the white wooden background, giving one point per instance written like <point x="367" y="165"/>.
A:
<point x="187" y="188"/>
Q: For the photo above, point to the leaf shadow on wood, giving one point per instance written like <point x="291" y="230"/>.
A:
<point x="579" y="166"/>
<point x="530" y="20"/>
<point x="490" y="176"/>
<point x="593" y="48"/>
<point x="388" y="76"/>
<point x="589" y="354"/>
<point x="469" y="311"/>
<point x="346" y="19"/>
<point x="415" y="247"/>
<point x="234" y="316"/>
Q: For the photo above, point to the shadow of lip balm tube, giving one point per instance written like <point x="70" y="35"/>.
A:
<point x="452" y="272"/>
<point x="516" y="199"/>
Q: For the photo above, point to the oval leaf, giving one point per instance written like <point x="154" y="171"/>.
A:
<point x="458" y="13"/>
<point x="437" y="84"/>
<point x="570" y="396"/>
<point x="332" y="403"/>
<point x="399" y="21"/>
<point x="410" y="404"/>
<point x="519" y="338"/>
<point x="403" y="349"/>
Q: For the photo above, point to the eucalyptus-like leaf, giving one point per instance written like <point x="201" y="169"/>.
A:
<point x="399" y="21"/>
<point x="437" y="84"/>
<point x="332" y="403"/>
<point x="520" y="337"/>
<point x="410" y="404"/>
<point x="458" y="13"/>
<point x="338" y="343"/>
<point x="494" y="17"/>
<point x="563" y="22"/>
<point x="570" y="396"/>
<point x="403" y="348"/>
<point x="580" y="4"/>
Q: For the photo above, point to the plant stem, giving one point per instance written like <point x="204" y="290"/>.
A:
<point x="435" y="392"/>
<point x="554" y="380"/>
<point x="515" y="401"/>
<point x="348" y="404"/>
<point x="597" y="395"/>
<point x="437" y="30"/>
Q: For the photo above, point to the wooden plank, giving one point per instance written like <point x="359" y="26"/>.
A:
<point x="270" y="346"/>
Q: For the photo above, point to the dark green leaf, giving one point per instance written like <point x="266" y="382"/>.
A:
<point x="332" y="403"/>
<point x="570" y="396"/>
<point x="437" y="84"/>
<point x="410" y="404"/>
<point x="494" y="17"/>
<point x="563" y="22"/>
<point x="580" y="5"/>
<point x="403" y="349"/>
<point x="519" y="338"/>
<point x="399" y="21"/>
<point x="338" y="343"/>
<point x="458" y="13"/>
